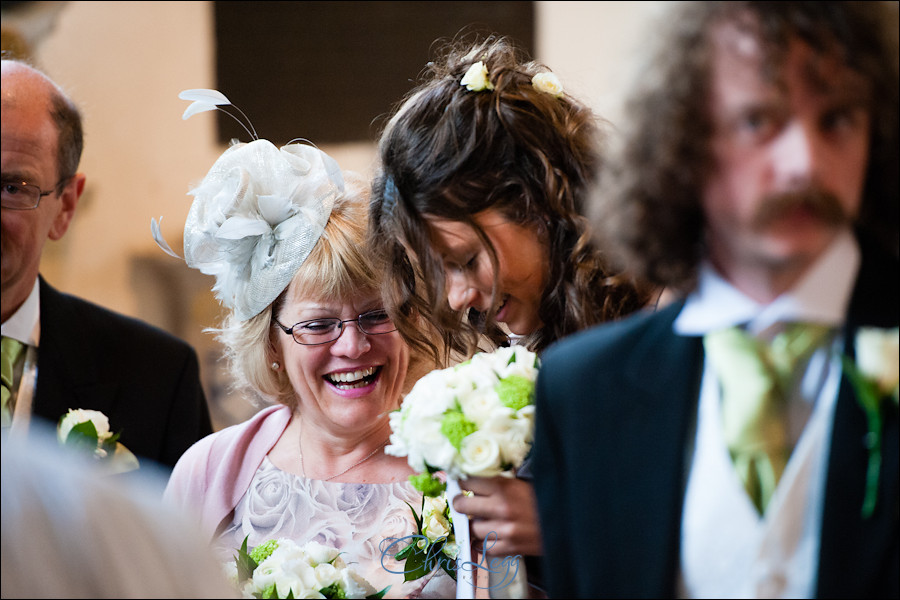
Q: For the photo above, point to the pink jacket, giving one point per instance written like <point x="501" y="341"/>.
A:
<point x="212" y="476"/>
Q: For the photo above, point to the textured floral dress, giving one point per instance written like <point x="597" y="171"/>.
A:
<point x="359" y="519"/>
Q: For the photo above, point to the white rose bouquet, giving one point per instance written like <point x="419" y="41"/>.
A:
<point x="475" y="419"/>
<point x="89" y="430"/>
<point x="281" y="568"/>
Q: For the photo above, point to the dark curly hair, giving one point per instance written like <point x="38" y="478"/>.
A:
<point x="648" y="200"/>
<point x="450" y="154"/>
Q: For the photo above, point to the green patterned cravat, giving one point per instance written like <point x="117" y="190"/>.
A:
<point x="756" y="378"/>
<point x="9" y="352"/>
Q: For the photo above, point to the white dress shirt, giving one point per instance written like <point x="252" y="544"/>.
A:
<point x="727" y="549"/>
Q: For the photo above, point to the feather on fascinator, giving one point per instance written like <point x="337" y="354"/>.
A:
<point x="256" y="215"/>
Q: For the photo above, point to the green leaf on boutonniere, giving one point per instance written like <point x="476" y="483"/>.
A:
<point x="417" y="564"/>
<point x="422" y="555"/>
<point x="83" y="435"/>
<point x="869" y="398"/>
<point x="417" y="518"/>
<point x="449" y="566"/>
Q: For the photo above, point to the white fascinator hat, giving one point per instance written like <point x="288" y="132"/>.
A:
<point x="256" y="215"/>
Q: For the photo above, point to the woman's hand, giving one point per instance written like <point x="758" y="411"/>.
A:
<point x="502" y="511"/>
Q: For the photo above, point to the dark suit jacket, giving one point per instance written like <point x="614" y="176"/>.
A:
<point x="616" y="417"/>
<point x="145" y="380"/>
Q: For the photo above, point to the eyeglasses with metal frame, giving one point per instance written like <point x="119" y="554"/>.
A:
<point x="21" y="195"/>
<point x="323" y="331"/>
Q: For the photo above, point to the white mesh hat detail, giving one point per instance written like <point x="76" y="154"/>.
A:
<point x="256" y="215"/>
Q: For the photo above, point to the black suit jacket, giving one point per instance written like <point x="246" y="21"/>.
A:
<point x="615" y="422"/>
<point x="144" y="379"/>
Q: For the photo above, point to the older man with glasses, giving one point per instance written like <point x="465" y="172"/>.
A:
<point x="61" y="352"/>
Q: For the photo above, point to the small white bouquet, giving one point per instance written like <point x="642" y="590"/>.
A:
<point x="282" y="568"/>
<point x="475" y="419"/>
<point x="89" y="430"/>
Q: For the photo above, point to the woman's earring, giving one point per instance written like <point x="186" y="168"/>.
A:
<point x="276" y="365"/>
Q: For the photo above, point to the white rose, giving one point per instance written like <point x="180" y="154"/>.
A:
<point x="421" y="441"/>
<point x="318" y="553"/>
<point x="436" y="527"/>
<point x="288" y="568"/>
<point x="433" y="505"/>
<point x="523" y="365"/>
<point x="525" y="419"/>
<point x="306" y="584"/>
<point x="79" y="415"/>
<point x="547" y="83"/>
<point x="248" y="589"/>
<point x="480" y="455"/>
<point x="514" y="447"/>
<point x="432" y="394"/>
<point x="229" y="569"/>
<point x="436" y="449"/>
<point x="355" y="586"/>
<point x="326" y="574"/>
<point x="434" y="524"/>
<point x="291" y="581"/>
<point x="877" y="356"/>
<point x="479" y="405"/>
<point x="265" y="574"/>
<point x="513" y="435"/>
<point x="476" y="78"/>
<point x="500" y="357"/>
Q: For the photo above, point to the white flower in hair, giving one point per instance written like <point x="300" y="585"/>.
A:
<point x="476" y="78"/>
<point x="548" y="83"/>
<point x="256" y="215"/>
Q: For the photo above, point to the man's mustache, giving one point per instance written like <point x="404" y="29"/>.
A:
<point x="821" y="204"/>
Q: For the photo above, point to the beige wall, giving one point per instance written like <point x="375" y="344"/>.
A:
<point x="124" y="64"/>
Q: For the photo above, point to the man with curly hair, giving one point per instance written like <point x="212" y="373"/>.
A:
<point x="757" y="180"/>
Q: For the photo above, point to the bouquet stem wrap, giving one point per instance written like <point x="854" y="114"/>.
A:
<point x="467" y="570"/>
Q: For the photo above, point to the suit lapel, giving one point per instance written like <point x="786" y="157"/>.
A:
<point x="664" y="415"/>
<point x="67" y="375"/>
<point x="850" y="544"/>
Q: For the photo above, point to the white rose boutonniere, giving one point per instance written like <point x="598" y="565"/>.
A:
<point x="476" y="78"/>
<point x="548" y="83"/>
<point x="89" y="430"/>
<point x="874" y="377"/>
<point x="433" y="545"/>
